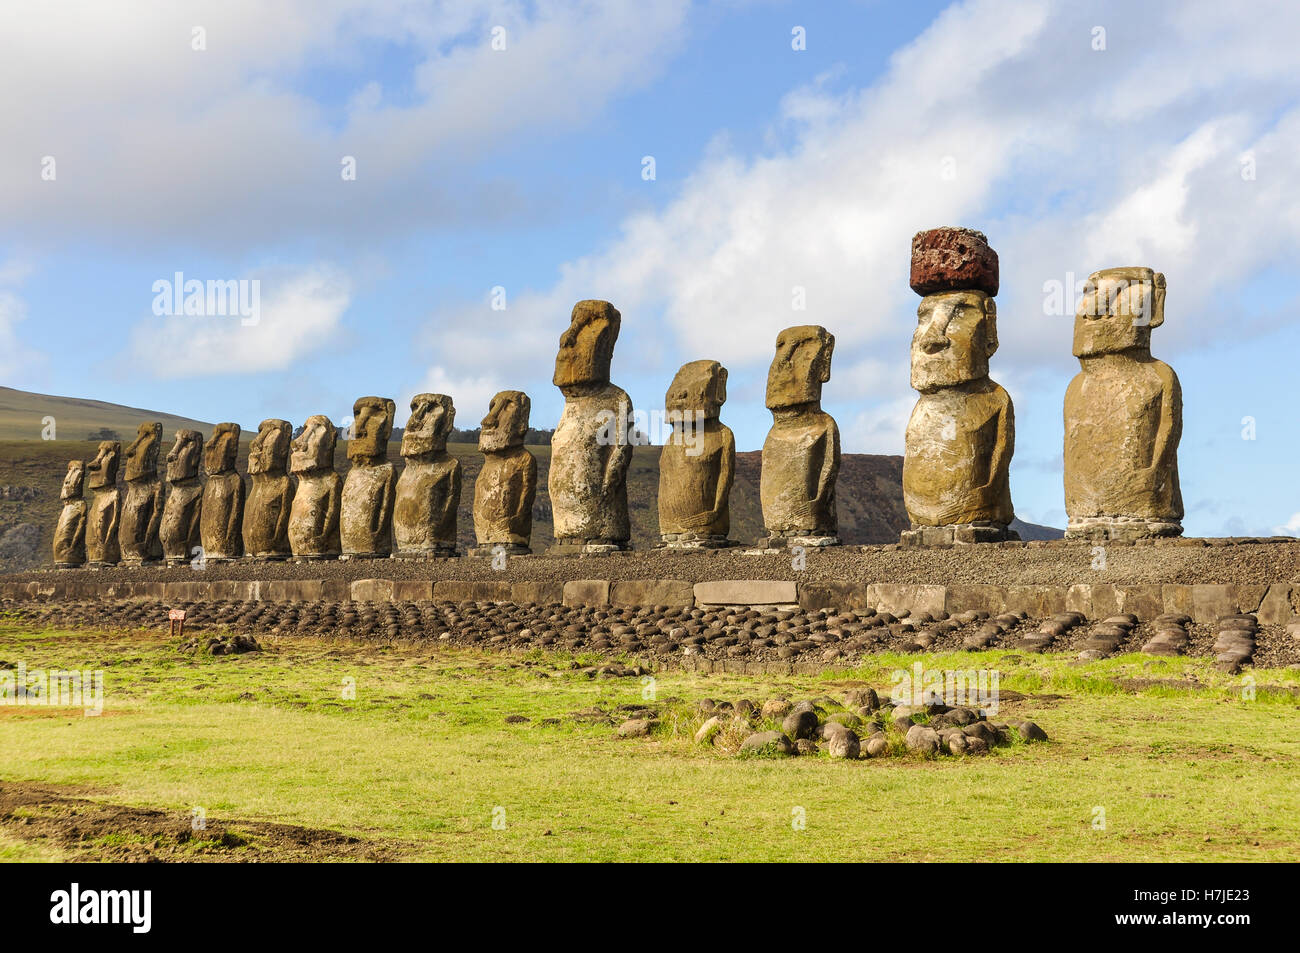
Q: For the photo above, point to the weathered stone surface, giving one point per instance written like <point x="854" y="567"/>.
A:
<point x="591" y="448"/>
<point x="506" y="487"/>
<point x="767" y="742"/>
<point x="901" y="598"/>
<point x="1144" y="601"/>
<point x="450" y="590"/>
<point x="314" y="514"/>
<point x="366" y="508"/>
<point x="1212" y="602"/>
<point x="102" y="547"/>
<point x="270" y="497"/>
<point x="1275" y="607"/>
<point x="412" y="590"/>
<point x="586" y="592"/>
<point x="652" y="592"/>
<point x="1123" y="414"/>
<point x="222" y="513"/>
<point x="293" y="590"/>
<point x="745" y="592"/>
<point x="698" y="462"/>
<point x="801" y="455"/>
<point x="541" y="593"/>
<point x="143" y="505"/>
<point x="428" y="491"/>
<point x="371" y="590"/>
<point x="180" y="528"/>
<point x="961" y="433"/>
<point x="953" y="259"/>
<point x="1037" y="601"/>
<point x="922" y="739"/>
<point x="833" y="595"/>
<point x="70" y="531"/>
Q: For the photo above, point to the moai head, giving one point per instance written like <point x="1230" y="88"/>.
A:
<point x="956" y="334"/>
<point x="74" y="480"/>
<point x="802" y="364"/>
<point x="429" y="425"/>
<point x="313" y="449"/>
<point x="372" y="425"/>
<point x="506" y="421"/>
<point x="184" y="456"/>
<point x="1119" y="308"/>
<point x="142" y="454"/>
<point x="269" y="450"/>
<point x="222" y="449"/>
<point x="103" y="469"/>
<point x="702" y="386"/>
<point x="956" y="273"/>
<point x="587" y="346"/>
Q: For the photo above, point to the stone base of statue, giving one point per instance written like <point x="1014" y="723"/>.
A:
<point x="960" y="534"/>
<point x="176" y="562"/>
<point x="313" y="557"/>
<point x="69" y="565"/>
<point x="436" y="551"/>
<point x="810" y="541"/>
<point x="352" y="557"/>
<point x="589" y="547"/>
<point x="96" y="565"/>
<point x="1104" y="528"/>
<point x="265" y="557"/>
<point x="134" y="562"/>
<point x="694" y="541"/>
<point x="488" y="550"/>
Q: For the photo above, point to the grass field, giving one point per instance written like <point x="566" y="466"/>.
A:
<point x="421" y="761"/>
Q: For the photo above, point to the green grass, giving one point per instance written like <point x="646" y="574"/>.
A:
<point x="421" y="757"/>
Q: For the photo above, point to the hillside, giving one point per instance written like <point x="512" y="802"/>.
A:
<point x="22" y="413"/>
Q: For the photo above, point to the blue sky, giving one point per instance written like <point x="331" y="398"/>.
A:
<point x="522" y="168"/>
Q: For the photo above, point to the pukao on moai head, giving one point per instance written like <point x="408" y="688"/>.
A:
<point x="591" y="448"/>
<point x="270" y="496"/>
<point x="143" y="505"/>
<point x="507" y="485"/>
<point x="221" y="523"/>
<point x="180" y="531"/>
<point x="801" y="456"/>
<point x="1123" y="414"/>
<point x="366" y="520"/>
<point x="314" y="515"/>
<point x="105" y="516"/>
<point x="961" y="434"/>
<point x="698" y="462"/>
<point x="70" y="531"/>
<point x="428" y="491"/>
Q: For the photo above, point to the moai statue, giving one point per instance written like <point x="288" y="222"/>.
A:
<point x="961" y="434"/>
<point x="102" y="546"/>
<point x="180" y="529"/>
<point x="698" y="462"/>
<point x="270" y="496"/>
<point x="143" y="507"/>
<point x="222" y="517"/>
<point x="801" y="456"/>
<point x="70" y="531"/>
<point x="507" y="485"/>
<point x="366" y="519"/>
<point x="428" y="491"/>
<point x="591" y="449"/>
<point x="1123" y="414"/>
<point x="314" y="515"/>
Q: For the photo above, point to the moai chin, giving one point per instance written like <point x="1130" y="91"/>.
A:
<point x="366" y="518"/>
<point x="143" y="506"/>
<point x="801" y="456"/>
<point x="698" y="462"/>
<point x="428" y="491"/>
<point x="507" y="485"/>
<point x="102" y="546"/>
<point x="270" y="495"/>
<point x="591" y="448"/>
<point x="222" y="513"/>
<point x="314" y="514"/>
<point x="1123" y="414"/>
<point x="180" y="531"/>
<point x="70" y="531"/>
<point x="961" y="434"/>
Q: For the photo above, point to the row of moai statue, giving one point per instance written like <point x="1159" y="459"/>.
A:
<point x="1123" y="420"/>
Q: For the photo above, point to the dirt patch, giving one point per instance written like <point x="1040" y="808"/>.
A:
<point x="97" y="831"/>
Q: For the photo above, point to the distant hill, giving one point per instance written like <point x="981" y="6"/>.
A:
<point x="869" y="491"/>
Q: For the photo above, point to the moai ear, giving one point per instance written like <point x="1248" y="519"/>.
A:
<point x="722" y="386"/>
<point x="991" y="334"/>
<point x="1158" y="300"/>
<point x="824" y="372"/>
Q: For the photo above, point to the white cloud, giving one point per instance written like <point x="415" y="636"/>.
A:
<point x="470" y="394"/>
<point x="1290" y="528"/>
<point x="18" y="361"/>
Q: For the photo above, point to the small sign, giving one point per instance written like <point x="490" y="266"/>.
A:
<point x="176" y="615"/>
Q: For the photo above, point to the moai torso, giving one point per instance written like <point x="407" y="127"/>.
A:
<point x="366" y="516"/>
<point x="270" y="495"/>
<point x="503" y="497"/>
<point x="180" y="528"/>
<point x="698" y="462"/>
<point x="314" y="516"/>
<point x="222" y="511"/>
<point x="428" y="491"/>
<point x="143" y="505"/>
<point x="801" y="456"/>
<point x="1123" y="413"/>
<point x="105" y="511"/>
<point x="70" y="531"/>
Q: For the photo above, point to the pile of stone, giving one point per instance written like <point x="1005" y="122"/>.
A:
<point x="1171" y="636"/>
<point x="1058" y="626"/>
<point x="1234" y="644"/>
